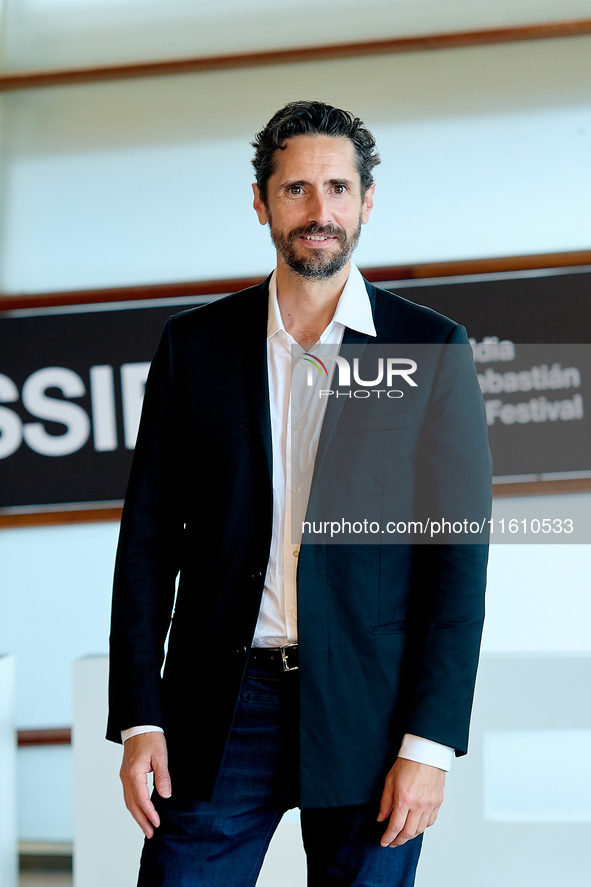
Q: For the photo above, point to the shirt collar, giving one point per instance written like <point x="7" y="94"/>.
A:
<point x="353" y="309"/>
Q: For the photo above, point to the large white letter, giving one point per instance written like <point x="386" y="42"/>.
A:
<point x="104" y="418"/>
<point x="344" y="368"/>
<point x="404" y="373"/>
<point x="69" y="414"/>
<point x="11" y="431"/>
<point x="133" y="384"/>
<point x="375" y="381"/>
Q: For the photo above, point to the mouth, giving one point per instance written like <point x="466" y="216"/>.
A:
<point x="318" y="239"/>
<point x="315" y="240"/>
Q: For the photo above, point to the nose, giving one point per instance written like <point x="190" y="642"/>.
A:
<point x="318" y="209"/>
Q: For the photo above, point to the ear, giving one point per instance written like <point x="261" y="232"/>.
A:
<point x="367" y="204"/>
<point x="259" y="206"/>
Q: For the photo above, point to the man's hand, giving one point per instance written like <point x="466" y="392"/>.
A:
<point x="413" y="794"/>
<point x="141" y="755"/>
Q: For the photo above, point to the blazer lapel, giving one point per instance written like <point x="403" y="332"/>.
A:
<point x="256" y="368"/>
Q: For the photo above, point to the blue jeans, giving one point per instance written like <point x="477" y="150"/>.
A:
<point x="223" y="843"/>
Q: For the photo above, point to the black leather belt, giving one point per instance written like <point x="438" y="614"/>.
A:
<point x="284" y="658"/>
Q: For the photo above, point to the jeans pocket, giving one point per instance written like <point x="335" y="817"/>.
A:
<point x="261" y="691"/>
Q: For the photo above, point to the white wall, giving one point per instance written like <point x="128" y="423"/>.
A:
<point x="56" y="33"/>
<point x="56" y="586"/>
<point x="538" y="595"/>
<point x="485" y="152"/>
<point x="8" y="829"/>
<point x="54" y="608"/>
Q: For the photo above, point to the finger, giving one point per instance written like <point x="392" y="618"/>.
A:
<point x="162" y="777"/>
<point x="423" y="823"/>
<point x="409" y="830"/>
<point x="143" y="801"/>
<point x="141" y="819"/>
<point x="386" y="803"/>
<point x="387" y="800"/>
<point x="395" y="826"/>
<point x="137" y="813"/>
<point x="138" y="784"/>
<point x="433" y="816"/>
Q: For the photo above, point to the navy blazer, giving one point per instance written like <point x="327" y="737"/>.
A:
<point x="389" y="633"/>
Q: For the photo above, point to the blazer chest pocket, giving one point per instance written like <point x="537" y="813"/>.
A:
<point x="357" y="424"/>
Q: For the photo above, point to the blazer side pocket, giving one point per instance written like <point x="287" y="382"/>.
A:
<point x="390" y="628"/>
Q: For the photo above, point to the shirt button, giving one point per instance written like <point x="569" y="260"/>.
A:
<point x="295" y="614"/>
<point x="281" y="334"/>
<point x="296" y="553"/>
<point x="297" y="426"/>
<point x="297" y="489"/>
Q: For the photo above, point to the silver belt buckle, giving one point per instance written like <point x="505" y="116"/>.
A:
<point x="285" y="655"/>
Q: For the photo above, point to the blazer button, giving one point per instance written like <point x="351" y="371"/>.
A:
<point x="241" y="651"/>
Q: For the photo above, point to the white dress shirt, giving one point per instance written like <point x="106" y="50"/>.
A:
<point x="297" y="413"/>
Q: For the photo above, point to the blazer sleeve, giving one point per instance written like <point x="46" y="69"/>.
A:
<point x="455" y="476"/>
<point x="147" y="556"/>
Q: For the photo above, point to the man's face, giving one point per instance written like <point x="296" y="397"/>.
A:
<point x="315" y="207"/>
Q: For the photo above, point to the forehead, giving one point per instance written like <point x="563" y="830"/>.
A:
<point x="311" y="157"/>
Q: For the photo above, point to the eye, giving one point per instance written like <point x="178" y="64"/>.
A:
<point x="339" y="188"/>
<point x="295" y="189"/>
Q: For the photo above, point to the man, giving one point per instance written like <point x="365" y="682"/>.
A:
<point x="358" y="724"/>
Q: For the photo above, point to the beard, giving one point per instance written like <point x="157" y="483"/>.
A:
<point x="320" y="264"/>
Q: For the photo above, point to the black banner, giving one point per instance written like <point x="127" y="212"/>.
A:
<point x="534" y="390"/>
<point x="71" y="389"/>
<point x="71" y="383"/>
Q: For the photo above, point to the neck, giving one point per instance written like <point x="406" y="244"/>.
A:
<point x="308" y="306"/>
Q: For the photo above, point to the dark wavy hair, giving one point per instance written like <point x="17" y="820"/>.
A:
<point x="312" y="118"/>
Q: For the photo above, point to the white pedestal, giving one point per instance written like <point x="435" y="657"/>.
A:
<point x="471" y="846"/>
<point x="107" y="842"/>
<point x="285" y="862"/>
<point x="8" y="835"/>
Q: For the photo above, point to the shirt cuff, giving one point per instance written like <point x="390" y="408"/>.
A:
<point x="135" y="731"/>
<point x="425" y="751"/>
